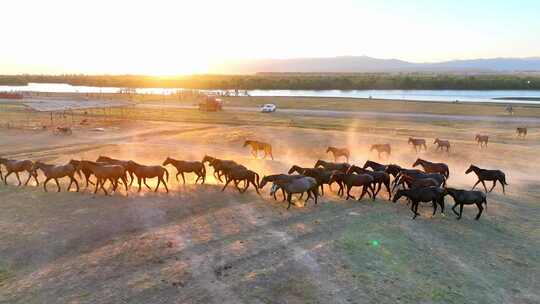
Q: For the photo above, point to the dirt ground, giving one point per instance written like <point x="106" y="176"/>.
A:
<point x="199" y="245"/>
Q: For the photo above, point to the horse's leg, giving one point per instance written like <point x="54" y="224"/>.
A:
<point x="164" y="183"/>
<point x="98" y="181"/>
<point x="103" y="187"/>
<point x="183" y="178"/>
<point x="485" y="188"/>
<point x="454" y="209"/>
<point x="255" y="186"/>
<point x="177" y="173"/>
<point x="57" y="184"/>
<point x="226" y="184"/>
<point x="158" y="182"/>
<point x="494" y="182"/>
<point x="387" y="185"/>
<point x="322" y="189"/>
<point x="284" y="194"/>
<point x="76" y="183"/>
<point x="289" y="198"/>
<point x="144" y="181"/>
<point x="45" y="184"/>
<point x="434" y="207"/>
<point x="502" y="184"/>
<point x="349" y="192"/>
<point x="18" y="178"/>
<point x="271" y="156"/>
<point x="70" y="183"/>
<point x="28" y="179"/>
<point x="460" y="211"/>
<point x="123" y="178"/>
<point x="139" y="181"/>
<point x="364" y="191"/>
<point x="475" y="184"/>
<point x="6" y="176"/>
<point x="480" y="209"/>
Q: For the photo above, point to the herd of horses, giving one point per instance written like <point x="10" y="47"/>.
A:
<point x="428" y="184"/>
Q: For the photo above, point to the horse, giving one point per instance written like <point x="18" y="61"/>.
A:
<point x="375" y="166"/>
<point x="521" y="132"/>
<point x="104" y="172"/>
<point x="381" y="148"/>
<point x="298" y="185"/>
<point x="86" y="171"/>
<point x="62" y="131"/>
<point x="339" y="152"/>
<point x="123" y="163"/>
<point x="417" y="143"/>
<point x="182" y="167"/>
<point x="242" y="174"/>
<point x="278" y="177"/>
<point x="488" y="175"/>
<point x="417" y="195"/>
<point x="379" y="178"/>
<point x="464" y="197"/>
<point x="321" y="175"/>
<point x="332" y="166"/>
<point x="257" y="145"/>
<point x="406" y="177"/>
<point x="143" y="172"/>
<point x="220" y="166"/>
<point x="351" y="180"/>
<point x="430" y="167"/>
<point x="482" y="140"/>
<point x="57" y="171"/>
<point x="16" y="166"/>
<point x="391" y="169"/>
<point x="442" y="144"/>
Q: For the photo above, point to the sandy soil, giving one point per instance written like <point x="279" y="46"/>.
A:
<point x="199" y="245"/>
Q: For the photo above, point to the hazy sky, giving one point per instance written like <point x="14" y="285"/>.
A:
<point x="172" y="37"/>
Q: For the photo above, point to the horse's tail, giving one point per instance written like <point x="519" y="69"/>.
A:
<point x="504" y="179"/>
<point x="166" y="174"/>
<point x="257" y="179"/>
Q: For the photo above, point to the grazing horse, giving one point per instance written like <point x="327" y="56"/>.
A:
<point x="278" y="177"/>
<point x="417" y="143"/>
<point x="379" y="178"/>
<point x="57" y="171"/>
<point x="343" y="167"/>
<point x="375" y="166"/>
<point x="430" y="167"/>
<point x="488" y="175"/>
<point x="298" y="185"/>
<point x="239" y="174"/>
<point x="417" y="195"/>
<point x="339" y="152"/>
<point x="465" y="197"/>
<point x="521" y="132"/>
<point x="182" y="167"/>
<point x="351" y="180"/>
<point x="16" y="166"/>
<point x="482" y="140"/>
<point x="442" y="144"/>
<point x="104" y="172"/>
<point x="143" y="172"/>
<point x="381" y="148"/>
<point x="259" y="146"/>
<point x="112" y="161"/>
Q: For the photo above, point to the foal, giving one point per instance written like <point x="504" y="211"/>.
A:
<point x="182" y="167"/>
<point x="57" y="171"/>
<point x="339" y="152"/>
<point x="16" y="166"/>
<point x="488" y="175"/>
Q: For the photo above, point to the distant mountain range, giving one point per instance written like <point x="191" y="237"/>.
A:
<point x="363" y="64"/>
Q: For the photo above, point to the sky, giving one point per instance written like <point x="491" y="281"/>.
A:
<point x="167" y="37"/>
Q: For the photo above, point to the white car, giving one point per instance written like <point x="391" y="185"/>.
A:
<point x="268" y="108"/>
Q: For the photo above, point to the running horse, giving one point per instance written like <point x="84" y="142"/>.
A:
<point x="259" y="146"/>
<point x="143" y="172"/>
<point x="339" y="152"/>
<point x="103" y="172"/>
<point x="488" y="175"/>
<point x="521" y="132"/>
<point x="183" y="166"/>
<point x="17" y="166"/>
<point x="442" y="144"/>
<point x="381" y="148"/>
<point x="482" y="140"/>
<point x="418" y="143"/>
<point x="430" y="167"/>
<point x="57" y="171"/>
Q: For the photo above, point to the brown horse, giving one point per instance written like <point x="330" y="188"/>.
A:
<point x="182" y="167"/>
<point x="104" y="172"/>
<point x="442" y="144"/>
<point x="521" y="132"/>
<point x="339" y="152"/>
<point x="379" y="178"/>
<point x="55" y="172"/>
<point x="259" y="146"/>
<point x="320" y="174"/>
<point x="278" y="177"/>
<point x="143" y="172"/>
<point x="86" y="172"/>
<point x="351" y="180"/>
<point x="375" y="166"/>
<point x="221" y="166"/>
<point x="332" y="166"/>
<point x="381" y="148"/>
<point x="418" y="143"/>
<point x="112" y="161"/>
<point x="16" y="166"/>
<point x="239" y="174"/>
<point x="430" y="167"/>
<point x="482" y="140"/>
<point x="298" y="185"/>
<point x="488" y="175"/>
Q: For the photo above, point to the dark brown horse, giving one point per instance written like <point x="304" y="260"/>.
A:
<point x="259" y="146"/>
<point x="488" y="175"/>
<point x="351" y="180"/>
<point x="86" y="171"/>
<point x="482" y="140"/>
<point x="220" y="166"/>
<point x="435" y="195"/>
<point x="320" y="174"/>
<point x="442" y="144"/>
<point x="430" y="167"/>
<point x="105" y="172"/>
<point x="521" y="132"/>
<point x="119" y="162"/>
<point x="375" y="166"/>
<point x="406" y="176"/>
<point x="339" y="152"/>
<point x="143" y="172"/>
<point x="379" y="178"/>
<point x="55" y="172"/>
<point x="17" y="166"/>
<point x="418" y="143"/>
<point x="465" y="197"/>
<point x="239" y="174"/>
<point x="381" y="148"/>
<point x="343" y="167"/>
<point x="183" y="166"/>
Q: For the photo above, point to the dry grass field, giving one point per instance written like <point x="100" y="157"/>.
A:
<point x="200" y="245"/>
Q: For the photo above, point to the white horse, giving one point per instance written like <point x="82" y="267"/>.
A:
<point x="300" y="185"/>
